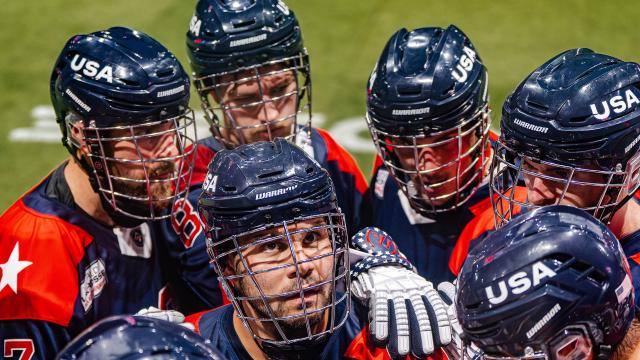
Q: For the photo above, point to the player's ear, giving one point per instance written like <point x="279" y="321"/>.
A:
<point x="76" y="133"/>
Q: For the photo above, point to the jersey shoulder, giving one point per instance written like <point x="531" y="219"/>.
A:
<point x="39" y="254"/>
<point x="206" y="150"/>
<point x="328" y="150"/>
<point x="209" y="322"/>
<point x="216" y="326"/>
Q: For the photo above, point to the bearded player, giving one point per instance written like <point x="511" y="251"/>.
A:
<point x="81" y="244"/>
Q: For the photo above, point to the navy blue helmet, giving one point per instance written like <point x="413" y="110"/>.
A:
<point x="248" y="61"/>
<point x="553" y="283"/>
<point x="428" y="94"/>
<point x="137" y="337"/>
<point x="270" y="214"/>
<point x="120" y="85"/>
<point x="574" y="125"/>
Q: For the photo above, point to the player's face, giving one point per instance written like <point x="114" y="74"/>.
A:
<point x="258" y="104"/>
<point x="144" y="162"/>
<point x="291" y="273"/>
<point x="436" y="162"/>
<point x="547" y="185"/>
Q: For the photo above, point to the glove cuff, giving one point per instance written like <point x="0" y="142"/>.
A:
<point x="378" y="259"/>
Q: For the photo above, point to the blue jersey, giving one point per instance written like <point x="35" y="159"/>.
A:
<point x="631" y="248"/>
<point x="62" y="270"/>
<point x="198" y="289"/>
<point x="436" y="246"/>
<point x="348" y="342"/>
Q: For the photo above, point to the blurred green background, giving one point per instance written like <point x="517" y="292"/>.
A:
<point x="344" y="39"/>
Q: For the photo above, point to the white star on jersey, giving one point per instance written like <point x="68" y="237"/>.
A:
<point x="11" y="269"/>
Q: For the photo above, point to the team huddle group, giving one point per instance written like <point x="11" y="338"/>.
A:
<point x="263" y="240"/>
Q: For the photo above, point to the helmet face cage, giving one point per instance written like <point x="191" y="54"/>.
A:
<point x="572" y="342"/>
<point x="270" y="252"/>
<point x="509" y="167"/>
<point x="160" y="179"/>
<point x="283" y="85"/>
<point x="411" y="178"/>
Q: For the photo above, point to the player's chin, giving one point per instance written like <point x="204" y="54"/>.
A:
<point x="298" y="319"/>
<point x="438" y="198"/>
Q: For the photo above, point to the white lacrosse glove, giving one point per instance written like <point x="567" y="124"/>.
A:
<point x="457" y="349"/>
<point x="173" y="316"/>
<point x="405" y="311"/>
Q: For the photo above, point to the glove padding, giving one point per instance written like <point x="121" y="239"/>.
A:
<point x="173" y="316"/>
<point x="405" y="311"/>
<point x="457" y="349"/>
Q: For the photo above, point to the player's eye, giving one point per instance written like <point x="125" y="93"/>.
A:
<point x="246" y="99"/>
<point x="273" y="247"/>
<point x="311" y="237"/>
<point x="279" y="90"/>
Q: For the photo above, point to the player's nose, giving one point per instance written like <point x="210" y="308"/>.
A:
<point x="269" y="110"/>
<point x="168" y="146"/>
<point x="540" y="191"/>
<point x="303" y="266"/>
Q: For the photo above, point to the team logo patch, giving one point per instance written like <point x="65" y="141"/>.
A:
<point x="247" y="41"/>
<point x="381" y="180"/>
<point x="542" y="322"/>
<point x="616" y="103"/>
<point x="92" y="69"/>
<point x="272" y="193"/>
<point x="464" y="66"/>
<point x="134" y="241"/>
<point x="519" y="282"/>
<point x="194" y="25"/>
<point x="95" y="279"/>
<point x="209" y="184"/>
<point x="526" y="125"/>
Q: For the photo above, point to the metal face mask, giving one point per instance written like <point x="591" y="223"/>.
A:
<point x="258" y="103"/>
<point x="439" y="171"/>
<point x="597" y="191"/>
<point x="140" y="169"/>
<point x="287" y="281"/>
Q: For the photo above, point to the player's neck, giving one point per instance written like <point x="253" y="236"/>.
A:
<point x="83" y="194"/>
<point x="247" y="340"/>
<point x="626" y="220"/>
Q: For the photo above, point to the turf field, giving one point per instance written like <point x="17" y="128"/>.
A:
<point x="344" y="38"/>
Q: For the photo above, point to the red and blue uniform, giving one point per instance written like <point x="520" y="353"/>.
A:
<point x="436" y="246"/>
<point x="631" y="248"/>
<point x="198" y="283"/>
<point x="630" y="243"/>
<point x="349" y="342"/>
<point x="61" y="270"/>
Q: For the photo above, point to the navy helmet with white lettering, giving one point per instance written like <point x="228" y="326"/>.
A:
<point x="554" y="281"/>
<point x="259" y="200"/>
<point x="430" y="83"/>
<point x="234" y="43"/>
<point x="571" y="126"/>
<point x="120" y="85"/>
<point x="138" y="337"/>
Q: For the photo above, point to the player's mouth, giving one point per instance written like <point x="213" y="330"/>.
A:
<point x="309" y="295"/>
